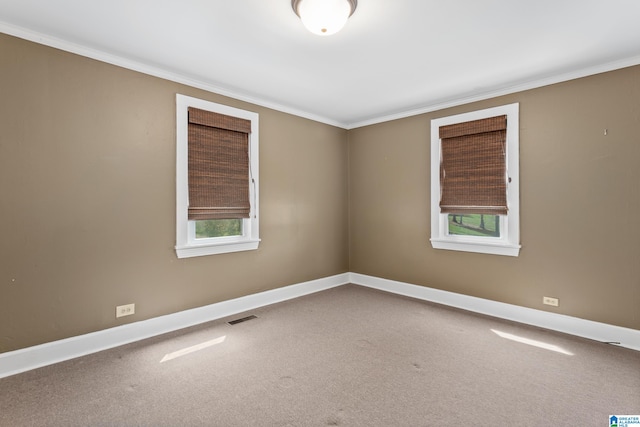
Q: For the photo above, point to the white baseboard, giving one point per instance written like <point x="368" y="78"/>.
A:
<point x="629" y="338"/>
<point x="22" y="360"/>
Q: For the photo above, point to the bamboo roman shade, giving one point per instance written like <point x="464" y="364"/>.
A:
<point x="473" y="167"/>
<point x="218" y="166"/>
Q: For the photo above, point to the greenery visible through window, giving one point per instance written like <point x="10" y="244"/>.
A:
<point x="218" y="228"/>
<point x="474" y="225"/>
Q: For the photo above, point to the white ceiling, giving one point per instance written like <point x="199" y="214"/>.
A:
<point x="393" y="58"/>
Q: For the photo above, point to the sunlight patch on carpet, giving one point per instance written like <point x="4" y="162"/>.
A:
<point x="534" y="343"/>
<point x="192" y="349"/>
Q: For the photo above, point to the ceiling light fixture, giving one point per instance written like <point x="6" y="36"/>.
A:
<point x="324" y="17"/>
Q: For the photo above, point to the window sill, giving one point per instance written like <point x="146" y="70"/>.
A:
<point x="218" y="248"/>
<point x="483" y="248"/>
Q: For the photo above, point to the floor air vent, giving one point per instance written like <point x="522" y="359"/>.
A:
<point x="244" y="319"/>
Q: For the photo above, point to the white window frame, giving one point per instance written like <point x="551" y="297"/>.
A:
<point x="509" y="241"/>
<point x="186" y="243"/>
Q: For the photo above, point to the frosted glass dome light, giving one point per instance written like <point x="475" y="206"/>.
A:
<point x="324" y="17"/>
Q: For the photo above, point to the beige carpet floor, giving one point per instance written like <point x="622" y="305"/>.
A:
<point x="349" y="356"/>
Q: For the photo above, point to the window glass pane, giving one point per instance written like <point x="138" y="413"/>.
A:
<point x="474" y="225"/>
<point x="218" y="228"/>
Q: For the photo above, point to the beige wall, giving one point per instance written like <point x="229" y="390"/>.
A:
<point x="580" y="200"/>
<point x="87" y="206"/>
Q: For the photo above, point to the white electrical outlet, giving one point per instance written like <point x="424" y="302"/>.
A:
<point x="550" y="301"/>
<point x="125" y="310"/>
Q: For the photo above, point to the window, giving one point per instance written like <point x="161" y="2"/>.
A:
<point x="475" y="181"/>
<point x="216" y="178"/>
